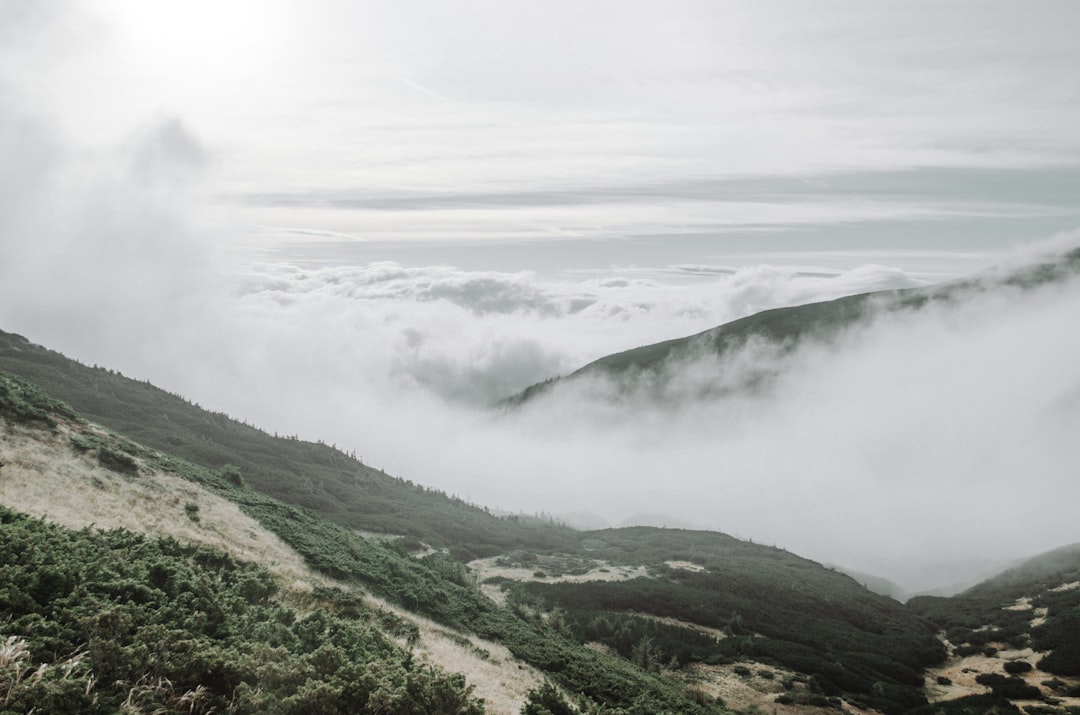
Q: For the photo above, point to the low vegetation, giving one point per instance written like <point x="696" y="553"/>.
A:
<point x="107" y="621"/>
<point x="436" y="585"/>
<point x="774" y="607"/>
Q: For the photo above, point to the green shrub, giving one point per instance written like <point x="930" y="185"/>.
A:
<point x="1015" y="667"/>
<point x="546" y="700"/>
<point x="1012" y="688"/>
<point x="117" y="461"/>
<point x="164" y="627"/>
<point x="232" y="474"/>
<point x="192" y="511"/>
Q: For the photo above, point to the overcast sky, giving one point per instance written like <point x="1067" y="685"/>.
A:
<point x="398" y="212"/>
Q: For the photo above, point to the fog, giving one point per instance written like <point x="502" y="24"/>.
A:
<point x="925" y="447"/>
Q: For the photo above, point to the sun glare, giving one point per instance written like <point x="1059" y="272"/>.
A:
<point x="195" y="38"/>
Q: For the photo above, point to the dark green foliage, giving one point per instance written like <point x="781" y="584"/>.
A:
<point x="1015" y="667"/>
<point x="192" y="511"/>
<point x="171" y="627"/>
<point x="972" y="621"/>
<point x="1008" y="687"/>
<point x="1061" y="635"/>
<point x="1056" y="684"/>
<point x="26" y="403"/>
<point x="546" y="700"/>
<point x="813" y="620"/>
<point x="117" y="461"/>
<point x="624" y="632"/>
<point x="1035" y="575"/>
<point x="232" y="474"/>
<point x="970" y="705"/>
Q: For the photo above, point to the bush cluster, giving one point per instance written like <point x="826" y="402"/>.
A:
<point x="117" y="618"/>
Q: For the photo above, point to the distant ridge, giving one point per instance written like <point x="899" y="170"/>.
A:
<point x="788" y="327"/>
<point x="1048" y="570"/>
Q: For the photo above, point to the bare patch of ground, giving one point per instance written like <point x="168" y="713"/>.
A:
<point x="498" y="677"/>
<point x="962" y="673"/>
<point x="685" y="566"/>
<point x="43" y="476"/>
<point x="496" y="566"/>
<point x="599" y="571"/>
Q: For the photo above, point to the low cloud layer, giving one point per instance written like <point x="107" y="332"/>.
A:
<point x="477" y="337"/>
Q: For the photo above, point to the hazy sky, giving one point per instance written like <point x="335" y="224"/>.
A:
<point x="363" y="222"/>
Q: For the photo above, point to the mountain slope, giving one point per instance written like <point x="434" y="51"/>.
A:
<point x="780" y="607"/>
<point x="709" y="599"/>
<point x="1034" y="576"/>
<point x="649" y="367"/>
<point x="696" y="612"/>
<point x="315" y="476"/>
<point x="434" y="585"/>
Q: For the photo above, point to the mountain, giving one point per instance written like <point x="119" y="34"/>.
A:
<point x="192" y="562"/>
<point x="312" y="475"/>
<point x="676" y="618"/>
<point x="648" y="369"/>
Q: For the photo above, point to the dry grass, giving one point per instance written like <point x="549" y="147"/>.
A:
<point x="601" y="571"/>
<point x="685" y="566"/>
<point x="499" y="678"/>
<point x="43" y="476"/>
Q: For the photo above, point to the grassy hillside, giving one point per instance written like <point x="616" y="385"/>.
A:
<point x="788" y="327"/>
<point x="437" y="586"/>
<point x="716" y="600"/>
<point x="1036" y="575"/>
<point x="312" y="475"/>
